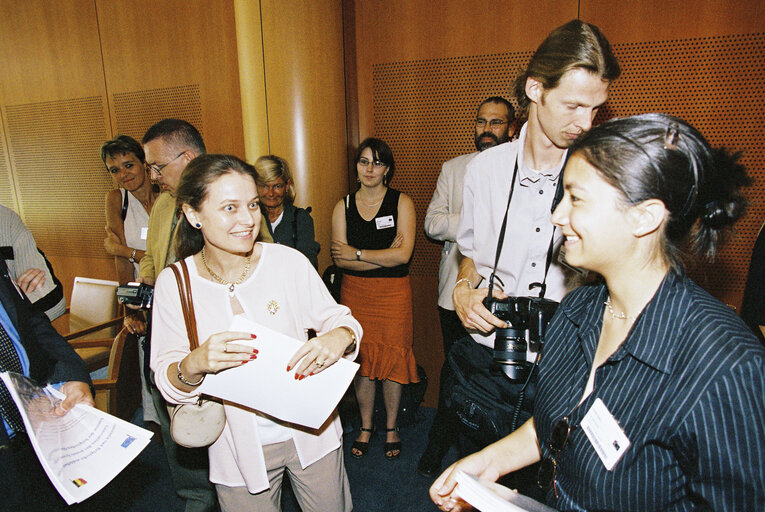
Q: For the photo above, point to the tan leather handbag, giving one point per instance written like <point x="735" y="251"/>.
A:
<point x="200" y="424"/>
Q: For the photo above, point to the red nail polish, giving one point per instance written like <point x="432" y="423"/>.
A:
<point x="253" y="356"/>
<point x="253" y="336"/>
<point x="254" y="351"/>
<point x="302" y="377"/>
<point x="297" y="376"/>
<point x="289" y="367"/>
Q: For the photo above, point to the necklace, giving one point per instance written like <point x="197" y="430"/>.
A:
<point x="373" y="204"/>
<point x="614" y="314"/>
<point x="219" y="279"/>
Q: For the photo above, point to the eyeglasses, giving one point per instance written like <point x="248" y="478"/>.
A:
<point x="158" y="168"/>
<point x="363" y="162"/>
<point x="558" y="438"/>
<point x="494" y="123"/>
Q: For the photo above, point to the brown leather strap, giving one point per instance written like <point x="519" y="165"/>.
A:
<point x="187" y="303"/>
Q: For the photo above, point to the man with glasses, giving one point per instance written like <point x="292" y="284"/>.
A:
<point x="169" y="146"/>
<point x="493" y="126"/>
<point x="505" y="229"/>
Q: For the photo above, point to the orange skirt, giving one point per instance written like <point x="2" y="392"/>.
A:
<point x="383" y="307"/>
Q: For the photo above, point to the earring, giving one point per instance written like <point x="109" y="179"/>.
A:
<point x="198" y="225"/>
<point x="358" y="180"/>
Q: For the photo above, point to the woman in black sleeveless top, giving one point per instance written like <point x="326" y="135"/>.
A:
<point x="372" y="240"/>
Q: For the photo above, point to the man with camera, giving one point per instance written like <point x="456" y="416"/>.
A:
<point x="507" y="240"/>
<point x="169" y="146"/>
<point x="493" y="126"/>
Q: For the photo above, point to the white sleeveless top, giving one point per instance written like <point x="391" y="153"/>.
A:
<point x="136" y="226"/>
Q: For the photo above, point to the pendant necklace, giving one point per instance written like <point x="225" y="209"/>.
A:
<point x="219" y="279"/>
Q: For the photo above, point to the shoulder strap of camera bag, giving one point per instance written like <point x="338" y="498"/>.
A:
<point x="187" y="303"/>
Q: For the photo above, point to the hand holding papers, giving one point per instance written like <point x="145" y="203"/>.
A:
<point x="495" y="498"/>
<point x="266" y="386"/>
<point x="81" y="451"/>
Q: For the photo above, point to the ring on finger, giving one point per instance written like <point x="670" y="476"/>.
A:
<point x="225" y="348"/>
<point x="320" y="363"/>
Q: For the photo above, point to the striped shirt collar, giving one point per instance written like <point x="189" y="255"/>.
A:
<point x="670" y="300"/>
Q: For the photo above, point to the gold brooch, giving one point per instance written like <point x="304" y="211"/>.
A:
<point x="272" y="307"/>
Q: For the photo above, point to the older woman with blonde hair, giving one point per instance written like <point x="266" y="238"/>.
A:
<point x="288" y="224"/>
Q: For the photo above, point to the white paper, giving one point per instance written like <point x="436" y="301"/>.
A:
<point x="81" y="451"/>
<point x="471" y="490"/>
<point x="266" y="386"/>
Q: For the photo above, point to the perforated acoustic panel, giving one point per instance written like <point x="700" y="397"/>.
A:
<point x="59" y="173"/>
<point x="136" y="111"/>
<point x="424" y="109"/>
<point x="7" y="195"/>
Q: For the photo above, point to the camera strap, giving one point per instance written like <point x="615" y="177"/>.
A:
<point x="500" y="242"/>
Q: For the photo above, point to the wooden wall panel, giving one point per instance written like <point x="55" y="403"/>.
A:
<point x="409" y="30"/>
<point x="49" y="51"/>
<point x="427" y="64"/>
<point x="658" y="20"/>
<point x="59" y="100"/>
<point x="305" y="95"/>
<point x="55" y="115"/>
<point x="171" y="47"/>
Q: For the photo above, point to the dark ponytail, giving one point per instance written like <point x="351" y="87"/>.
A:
<point x="657" y="156"/>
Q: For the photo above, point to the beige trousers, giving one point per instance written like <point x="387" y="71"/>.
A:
<point x="321" y="487"/>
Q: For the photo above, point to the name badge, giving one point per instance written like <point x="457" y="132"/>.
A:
<point x="144" y="233"/>
<point x="605" y="434"/>
<point x="385" y="222"/>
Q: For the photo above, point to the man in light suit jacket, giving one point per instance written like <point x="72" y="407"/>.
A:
<point x="493" y="126"/>
<point x="45" y="357"/>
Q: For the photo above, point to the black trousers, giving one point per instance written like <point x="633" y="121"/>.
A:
<point x="443" y="431"/>
<point x="23" y="482"/>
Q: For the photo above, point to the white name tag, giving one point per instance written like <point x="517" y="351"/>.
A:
<point x="144" y="233"/>
<point x="605" y="434"/>
<point x="385" y="222"/>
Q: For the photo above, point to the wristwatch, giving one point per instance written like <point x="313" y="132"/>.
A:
<point x="131" y="259"/>
<point x="358" y="255"/>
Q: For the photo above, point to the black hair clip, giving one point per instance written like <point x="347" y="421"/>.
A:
<point x="670" y="138"/>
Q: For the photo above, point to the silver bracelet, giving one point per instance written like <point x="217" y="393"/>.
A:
<point x="183" y="379"/>
<point x="465" y="280"/>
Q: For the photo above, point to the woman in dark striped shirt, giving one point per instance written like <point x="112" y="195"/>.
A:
<point x="651" y="393"/>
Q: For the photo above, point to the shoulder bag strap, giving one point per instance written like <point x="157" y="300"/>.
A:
<point x="123" y="213"/>
<point x="187" y="303"/>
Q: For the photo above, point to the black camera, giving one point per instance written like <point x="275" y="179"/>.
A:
<point x="136" y="294"/>
<point x="528" y="318"/>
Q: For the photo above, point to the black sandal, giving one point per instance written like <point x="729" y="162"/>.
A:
<point x="392" y="447"/>
<point x="360" y="446"/>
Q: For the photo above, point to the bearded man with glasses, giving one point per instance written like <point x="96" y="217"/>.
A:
<point x="493" y="126"/>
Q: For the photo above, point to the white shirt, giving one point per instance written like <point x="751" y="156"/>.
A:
<point x="136" y="226"/>
<point x="529" y="230"/>
<point x="282" y="277"/>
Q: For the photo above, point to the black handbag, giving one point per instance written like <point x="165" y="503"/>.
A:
<point x="484" y="400"/>
<point x="333" y="280"/>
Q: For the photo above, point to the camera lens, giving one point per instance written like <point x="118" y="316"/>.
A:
<point x="510" y="353"/>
